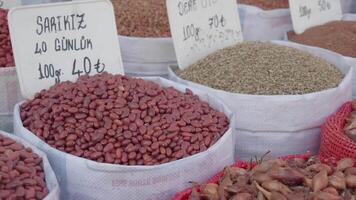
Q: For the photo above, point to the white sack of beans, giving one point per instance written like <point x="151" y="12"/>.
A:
<point x="350" y="60"/>
<point x="147" y="56"/>
<point x="283" y="124"/>
<point x="50" y="177"/>
<point x="259" y="24"/>
<point x="83" y="179"/>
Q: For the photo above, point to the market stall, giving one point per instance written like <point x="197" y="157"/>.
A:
<point x="177" y="99"/>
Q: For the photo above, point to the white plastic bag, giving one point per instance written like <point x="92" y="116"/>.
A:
<point x="147" y="56"/>
<point x="351" y="61"/>
<point x="82" y="179"/>
<point x="51" y="180"/>
<point x="10" y="95"/>
<point x="286" y="124"/>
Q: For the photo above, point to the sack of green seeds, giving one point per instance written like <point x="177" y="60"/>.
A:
<point x="281" y="116"/>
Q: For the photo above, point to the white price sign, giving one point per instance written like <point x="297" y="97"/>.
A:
<point x="310" y="13"/>
<point x="59" y="42"/>
<point x="9" y="3"/>
<point x="200" y="27"/>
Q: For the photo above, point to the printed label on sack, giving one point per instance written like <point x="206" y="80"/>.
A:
<point x="200" y="27"/>
<point x="59" y="42"/>
<point x="308" y="13"/>
<point x="9" y="3"/>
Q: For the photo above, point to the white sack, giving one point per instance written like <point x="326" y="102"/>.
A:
<point x="346" y="5"/>
<point x="147" y="56"/>
<point x="30" y="2"/>
<point x="258" y="24"/>
<point x="82" y="179"/>
<point x="51" y="180"/>
<point x="10" y="95"/>
<point x="286" y="124"/>
<point x="351" y="61"/>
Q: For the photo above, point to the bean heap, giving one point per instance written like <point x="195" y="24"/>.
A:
<point x="6" y="56"/>
<point x="21" y="174"/>
<point x="142" y="18"/>
<point x="337" y="36"/>
<point x="266" y="4"/>
<point x="263" y="68"/>
<point x="350" y="128"/>
<point x="121" y="120"/>
<point x="276" y="179"/>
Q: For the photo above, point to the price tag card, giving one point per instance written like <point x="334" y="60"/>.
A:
<point x="309" y="13"/>
<point x="6" y="4"/>
<point x="200" y="27"/>
<point x="59" y="42"/>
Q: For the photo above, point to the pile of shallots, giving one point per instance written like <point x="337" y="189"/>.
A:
<point x="277" y="179"/>
<point x="350" y="128"/>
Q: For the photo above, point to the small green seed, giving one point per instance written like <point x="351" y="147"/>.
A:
<point x="263" y="68"/>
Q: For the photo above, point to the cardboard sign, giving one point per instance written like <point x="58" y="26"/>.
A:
<point x="59" y="42"/>
<point x="6" y="4"/>
<point x="310" y="13"/>
<point x="200" y="27"/>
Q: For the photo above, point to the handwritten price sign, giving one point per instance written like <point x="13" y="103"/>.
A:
<point x="309" y="13"/>
<point x="63" y="41"/>
<point x="200" y="27"/>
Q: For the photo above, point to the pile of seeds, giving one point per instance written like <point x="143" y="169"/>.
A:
<point x="117" y="119"/>
<point x="338" y="36"/>
<point x="266" y="4"/>
<point x="21" y="174"/>
<point x="276" y="179"/>
<point x="6" y="56"/>
<point x="350" y="128"/>
<point x="142" y="18"/>
<point x="263" y="68"/>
